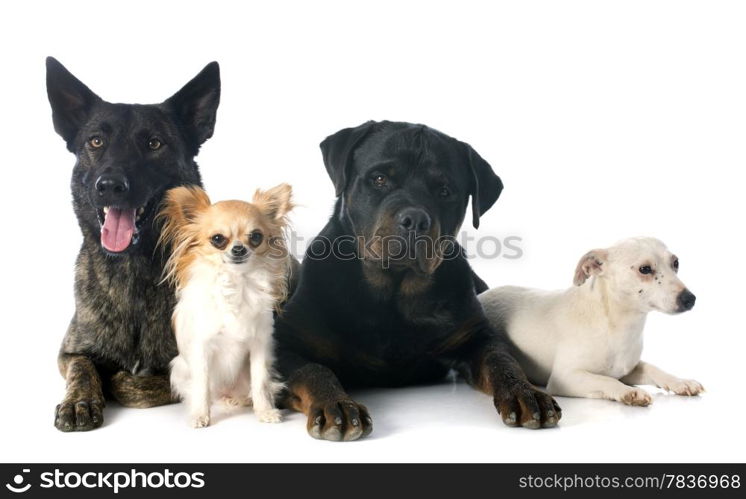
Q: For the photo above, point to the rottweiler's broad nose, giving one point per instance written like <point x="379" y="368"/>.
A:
<point x="413" y="220"/>
<point x="685" y="300"/>
<point x="239" y="251"/>
<point x="113" y="185"/>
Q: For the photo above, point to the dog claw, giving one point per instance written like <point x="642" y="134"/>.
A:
<point x="80" y="415"/>
<point x="528" y="407"/>
<point x="340" y="421"/>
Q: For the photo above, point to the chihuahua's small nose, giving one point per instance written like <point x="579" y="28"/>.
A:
<point x="239" y="250"/>
<point x="685" y="300"/>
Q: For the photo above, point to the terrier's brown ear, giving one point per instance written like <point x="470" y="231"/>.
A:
<point x="276" y="202"/>
<point x="590" y="264"/>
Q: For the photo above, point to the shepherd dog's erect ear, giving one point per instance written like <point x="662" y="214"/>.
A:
<point x="70" y="99"/>
<point x="196" y="104"/>
<point x="486" y="185"/>
<point x="337" y="150"/>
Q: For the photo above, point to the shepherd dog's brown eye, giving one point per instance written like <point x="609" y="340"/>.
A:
<point x="96" y="142"/>
<point x="154" y="144"/>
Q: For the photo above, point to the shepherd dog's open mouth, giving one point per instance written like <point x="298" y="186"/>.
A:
<point x="121" y="227"/>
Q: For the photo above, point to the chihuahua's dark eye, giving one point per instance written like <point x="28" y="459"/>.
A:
<point x="256" y="238"/>
<point x="96" y="142"/>
<point x="444" y="192"/>
<point x="380" y="180"/>
<point x="676" y="264"/>
<point x="645" y="269"/>
<point x="219" y="241"/>
<point x="154" y="144"/>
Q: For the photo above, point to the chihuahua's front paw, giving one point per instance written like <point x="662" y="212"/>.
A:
<point x="687" y="387"/>
<point x="269" y="416"/>
<point x="202" y="421"/>
<point x="636" y="396"/>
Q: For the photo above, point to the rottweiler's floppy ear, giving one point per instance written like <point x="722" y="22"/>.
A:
<point x="486" y="185"/>
<point x="590" y="264"/>
<point x="196" y="104"/>
<point x="276" y="202"/>
<point x="70" y="99"/>
<point x="337" y="150"/>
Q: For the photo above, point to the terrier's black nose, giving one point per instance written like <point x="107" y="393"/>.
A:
<point x="239" y="250"/>
<point x="413" y="220"/>
<point x="112" y="184"/>
<point x="685" y="300"/>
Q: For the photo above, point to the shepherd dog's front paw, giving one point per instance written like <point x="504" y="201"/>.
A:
<point x="524" y="405"/>
<point x="79" y="413"/>
<point x="339" y="420"/>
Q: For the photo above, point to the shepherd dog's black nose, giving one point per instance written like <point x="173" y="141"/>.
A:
<point x="413" y="220"/>
<point x="112" y="185"/>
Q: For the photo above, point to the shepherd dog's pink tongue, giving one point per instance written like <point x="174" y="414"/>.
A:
<point x="119" y="226"/>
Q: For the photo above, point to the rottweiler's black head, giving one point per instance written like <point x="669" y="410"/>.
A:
<point x="403" y="190"/>
<point x="128" y="155"/>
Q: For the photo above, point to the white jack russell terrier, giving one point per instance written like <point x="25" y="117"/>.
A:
<point x="587" y="341"/>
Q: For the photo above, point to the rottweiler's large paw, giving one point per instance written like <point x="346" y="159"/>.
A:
<point x="339" y="420"/>
<point x="79" y="414"/>
<point x="529" y="407"/>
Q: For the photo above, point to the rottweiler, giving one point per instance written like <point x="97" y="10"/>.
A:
<point x="386" y="296"/>
<point x="119" y="342"/>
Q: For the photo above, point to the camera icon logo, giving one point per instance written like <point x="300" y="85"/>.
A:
<point x="17" y="486"/>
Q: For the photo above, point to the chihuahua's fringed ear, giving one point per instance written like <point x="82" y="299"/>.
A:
<point x="590" y="264"/>
<point x="180" y="208"/>
<point x="182" y="204"/>
<point x="276" y="202"/>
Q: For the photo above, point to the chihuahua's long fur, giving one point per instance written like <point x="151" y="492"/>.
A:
<point x="229" y="264"/>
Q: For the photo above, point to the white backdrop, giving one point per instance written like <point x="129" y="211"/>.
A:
<point x="604" y="120"/>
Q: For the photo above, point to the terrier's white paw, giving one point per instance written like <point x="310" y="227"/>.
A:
<point x="687" y="387"/>
<point x="636" y="396"/>
<point x="269" y="416"/>
<point x="201" y="421"/>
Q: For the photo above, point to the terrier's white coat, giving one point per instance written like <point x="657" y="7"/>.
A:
<point x="586" y="341"/>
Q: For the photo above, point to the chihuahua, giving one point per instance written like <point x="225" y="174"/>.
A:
<point x="586" y="341"/>
<point x="229" y="264"/>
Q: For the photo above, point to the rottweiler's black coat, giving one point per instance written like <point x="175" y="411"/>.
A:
<point x="379" y="302"/>
<point x="119" y="342"/>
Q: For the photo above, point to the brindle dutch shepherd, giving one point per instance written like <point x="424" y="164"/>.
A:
<point x="119" y="342"/>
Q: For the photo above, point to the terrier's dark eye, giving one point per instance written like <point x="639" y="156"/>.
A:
<point x="676" y="265"/>
<point x="219" y="241"/>
<point x="380" y="180"/>
<point x="444" y="192"/>
<point x="96" y="142"/>
<point x="154" y="144"/>
<point x="256" y="238"/>
<point x="645" y="269"/>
